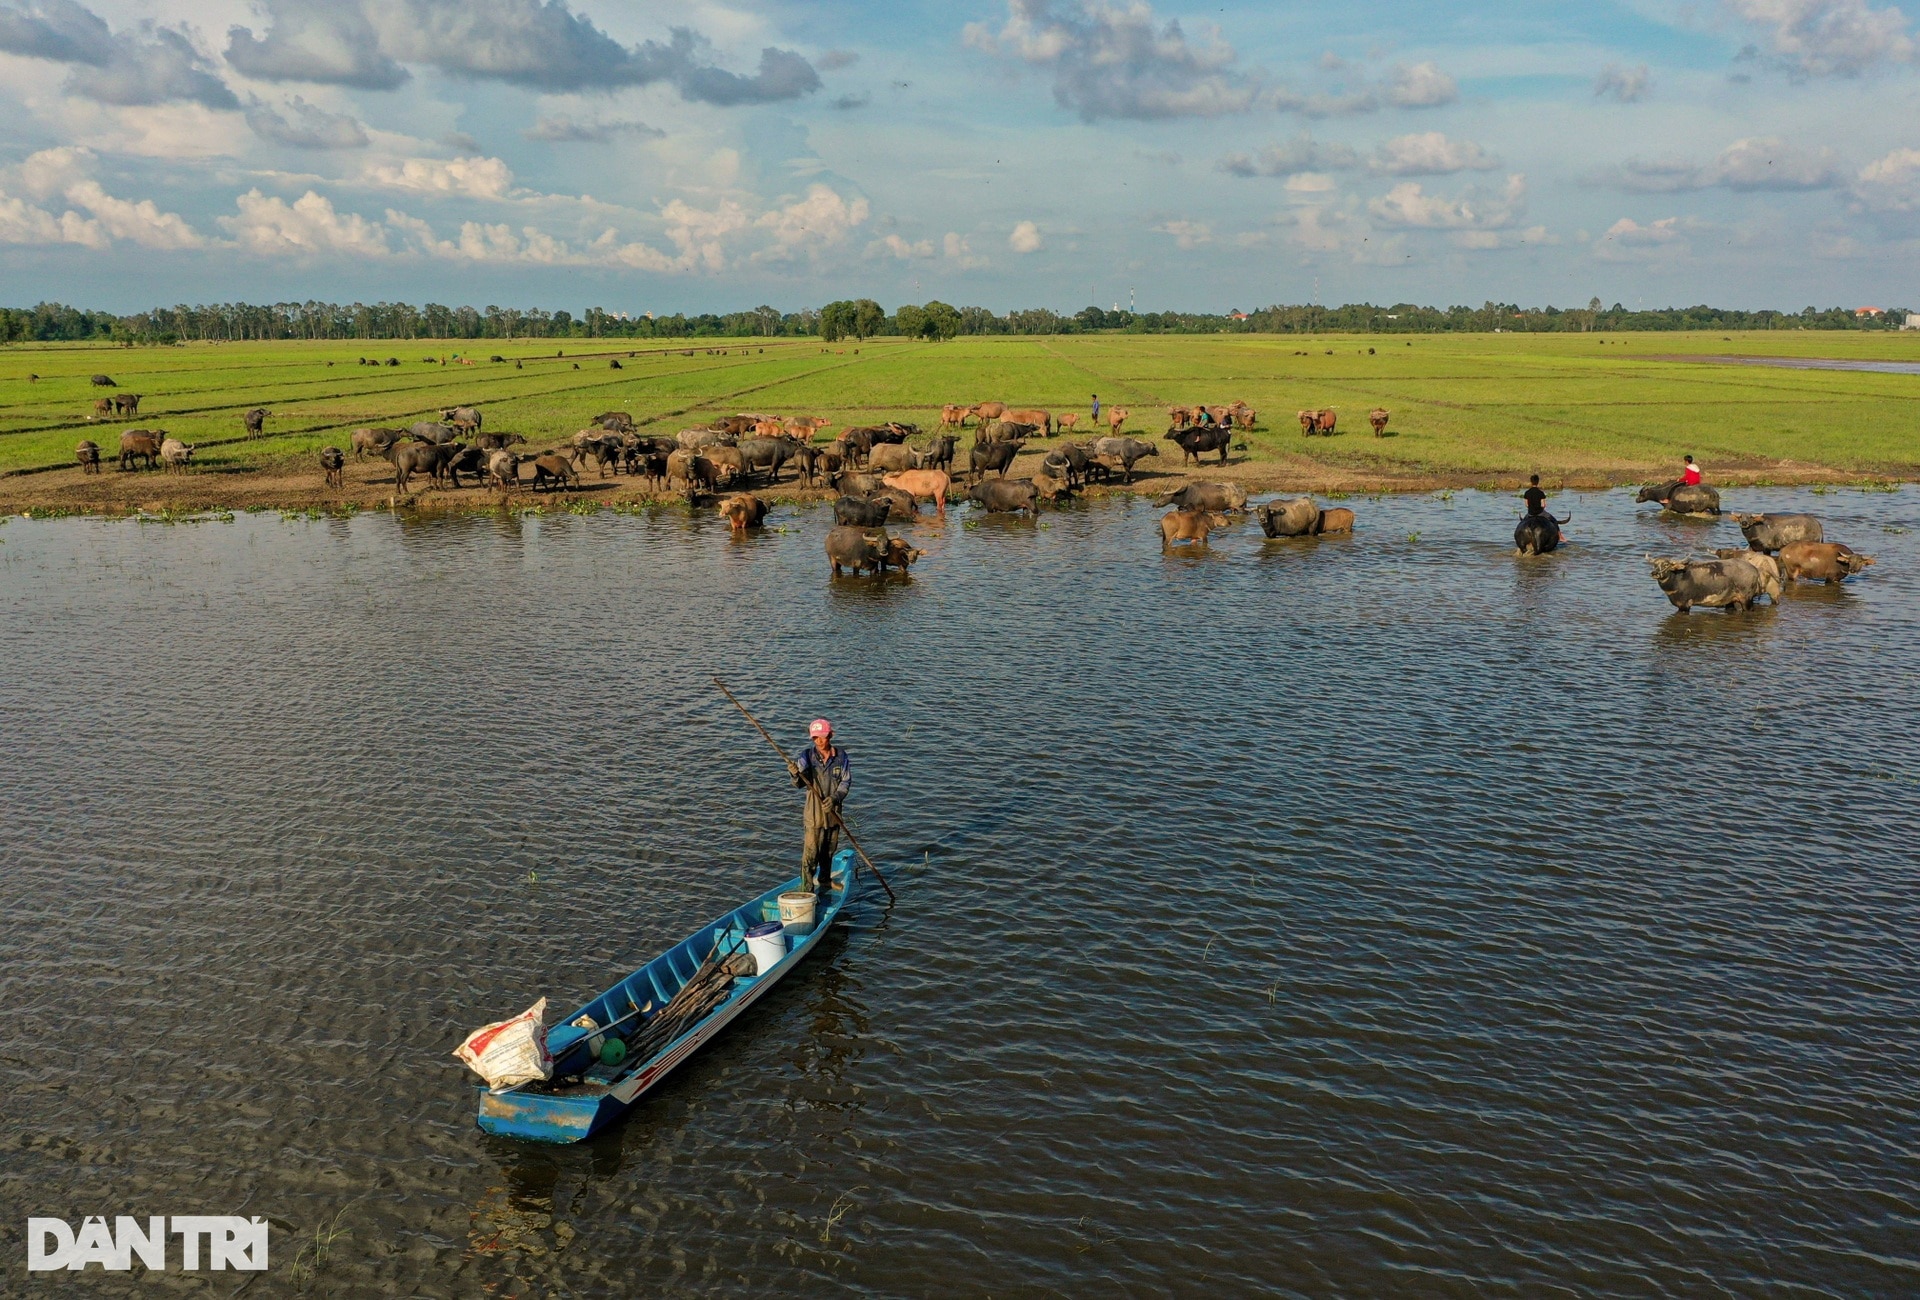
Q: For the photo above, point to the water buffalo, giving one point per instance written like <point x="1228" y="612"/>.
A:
<point x="410" y="458"/>
<point x="859" y="484"/>
<point x="701" y="439"/>
<point x="1732" y="584"/>
<point x="464" y="460"/>
<point x="103" y="381"/>
<point x="1771" y="532"/>
<point x="986" y="456"/>
<point x="333" y="462"/>
<point x="88" y="456"/>
<point x="618" y="421"/>
<point x="127" y="404"/>
<point x="503" y="467"/>
<point x="859" y="511"/>
<point x="1337" y="520"/>
<point x="372" y="440"/>
<point x="140" y="444"/>
<point x="1322" y="421"/>
<point x="938" y="454"/>
<point x="555" y="470"/>
<point x="1537" y="534"/>
<point x="1006" y="496"/>
<point x="1377" y="417"/>
<point x="767" y="454"/>
<point x="854" y="444"/>
<point x="1196" y="442"/>
<point x="1217" y="497"/>
<point x="467" y="417"/>
<point x="900" y="504"/>
<point x="1069" y="462"/>
<point x="1049" y="488"/>
<point x="1192" y="526"/>
<point x="1040" y="420"/>
<point x="1295" y="518"/>
<point x="743" y="511"/>
<point x="693" y="469"/>
<point x="889" y="458"/>
<point x="952" y="416"/>
<point x="1116" y="418"/>
<point x="1682" y="498"/>
<point x="433" y="431"/>
<point x="1828" y="562"/>
<point x="102" y="406"/>
<point x="923" y="485"/>
<point x="984" y="411"/>
<point x="1003" y="431"/>
<point x="498" y="441"/>
<point x="867" y="550"/>
<point x="1127" y="451"/>
<point x="728" y="463"/>
<point x="256" y="421"/>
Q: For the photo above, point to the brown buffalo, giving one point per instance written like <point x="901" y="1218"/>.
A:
<point x="923" y="485"/>
<point x="1116" y="417"/>
<point x="743" y="511"/>
<point x="556" y="470"/>
<point x="952" y="416"/>
<point x="333" y="462"/>
<point x="984" y="411"/>
<point x="1295" y="518"/>
<point x="101" y="406"/>
<point x="140" y="444"/>
<point x="1377" y="417"/>
<point x="1178" y="526"/>
<point x="692" y="469"/>
<point x="88" y="456"/>
<point x="889" y="458"/>
<point x="503" y="467"/>
<point x="728" y="462"/>
<point x="1041" y="420"/>
<point x="1828" y="562"/>
<point x="1337" y="520"/>
<point x="1217" y="497"/>
<point x="372" y="440"/>
<point x="256" y="421"/>
<point x="1324" y="422"/>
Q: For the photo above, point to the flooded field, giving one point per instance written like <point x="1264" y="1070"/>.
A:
<point x="1376" y="915"/>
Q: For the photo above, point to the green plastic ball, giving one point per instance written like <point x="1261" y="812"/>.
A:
<point x="612" y="1052"/>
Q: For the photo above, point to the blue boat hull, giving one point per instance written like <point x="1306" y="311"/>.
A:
<point x="603" y="1096"/>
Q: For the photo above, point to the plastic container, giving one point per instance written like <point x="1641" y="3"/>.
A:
<point x="797" y="911"/>
<point x="768" y="944"/>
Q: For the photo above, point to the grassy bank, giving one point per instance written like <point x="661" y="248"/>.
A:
<point x="1580" y="410"/>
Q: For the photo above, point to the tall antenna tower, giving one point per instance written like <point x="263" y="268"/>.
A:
<point x="1129" y="298"/>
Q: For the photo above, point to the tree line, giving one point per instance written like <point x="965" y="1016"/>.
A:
<point x="862" y="318"/>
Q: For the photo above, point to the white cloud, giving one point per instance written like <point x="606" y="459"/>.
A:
<point x="1116" y="60"/>
<point x="1430" y="154"/>
<point x="307" y="227"/>
<point x="66" y="173"/>
<point x="959" y="251"/>
<point x="1408" y="205"/>
<point x="1309" y="183"/>
<point x="1819" y="38"/>
<point x="1890" y="184"/>
<point x="23" y="223"/>
<point x="895" y="246"/>
<point x="480" y="178"/>
<point x="1421" y="86"/>
<point x="820" y="220"/>
<point x="1342" y="230"/>
<point x="1025" y="238"/>
<point x="1300" y="154"/>
<point x="1753" y="163"/>
<point x="1187" y="234"/>
<point x="563" y="129"/>
<point x="1626" y="85"/>
<point x="1626" y="240"/>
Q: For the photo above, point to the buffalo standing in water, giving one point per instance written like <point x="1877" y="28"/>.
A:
<point x="1537" y="534"/>
<point x="1828" y="562"/>
<point x="1189" y="526"/>
<point x="1771" y="532"/>
<point x="1732" y="584"/>
<point x="866" y="550"/>
<point x="1296" y="518"/>
<point x="1683" y="498"/>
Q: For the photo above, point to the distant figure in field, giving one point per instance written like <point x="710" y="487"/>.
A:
<point x="1096" y="408"/>
<point x="1692" y="474"/>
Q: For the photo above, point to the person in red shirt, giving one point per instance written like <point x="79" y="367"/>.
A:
<point x="1692" y="474"/>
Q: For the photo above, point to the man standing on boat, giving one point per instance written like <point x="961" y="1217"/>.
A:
<point x="827" y="774"/>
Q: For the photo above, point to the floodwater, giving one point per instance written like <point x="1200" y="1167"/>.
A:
<point x="1800" y="363"/>
<point x="1377" y="915"/>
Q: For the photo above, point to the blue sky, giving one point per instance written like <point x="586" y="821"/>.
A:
<point x="708" y="156"/>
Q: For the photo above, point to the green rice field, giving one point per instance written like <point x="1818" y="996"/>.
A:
<point x="1468" y="408"/>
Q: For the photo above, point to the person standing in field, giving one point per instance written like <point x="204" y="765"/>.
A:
<point x="827" y="774"/>
<point x="1692" y="473"/>
<point x="1096" y="408"/>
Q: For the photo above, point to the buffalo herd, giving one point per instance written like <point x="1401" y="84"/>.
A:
<point x="883" y="473"/>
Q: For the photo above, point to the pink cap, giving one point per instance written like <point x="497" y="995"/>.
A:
<point x="820" y="727"/>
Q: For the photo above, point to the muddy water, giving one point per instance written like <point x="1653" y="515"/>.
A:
<point x="1381" y="915"/>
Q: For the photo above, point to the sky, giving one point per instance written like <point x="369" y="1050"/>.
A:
<point x="713" y="156"/>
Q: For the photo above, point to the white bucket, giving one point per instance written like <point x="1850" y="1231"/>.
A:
<point x="797" y="911"/>
<point x="768" y="949"/>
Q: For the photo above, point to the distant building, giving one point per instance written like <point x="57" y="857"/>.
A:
<point x="1869" y="311"/>
<point x="1236" y="314"/>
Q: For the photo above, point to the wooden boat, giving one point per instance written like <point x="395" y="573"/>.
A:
<point x="584" y="1096"/>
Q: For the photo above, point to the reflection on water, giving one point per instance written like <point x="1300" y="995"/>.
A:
<point x="1315" y="917"/>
